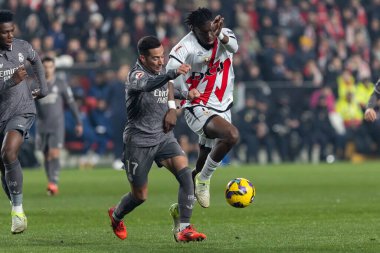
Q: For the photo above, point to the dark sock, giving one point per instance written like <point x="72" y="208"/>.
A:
<point x="126" y="205"/>
<point x="185" y="194"/>
<point x="47" y="169"/>
<point x="14" y="180"/>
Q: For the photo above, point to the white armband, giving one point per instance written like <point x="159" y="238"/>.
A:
<point x="171" y="104"/>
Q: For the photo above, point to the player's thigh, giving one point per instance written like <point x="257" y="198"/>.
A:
<point x="218" y="127"/>
<point x="55" y="143"/>
<point x="171" y="156"/>
<point x="197" y="117"/>
<point x="137" y="163"/>
<point x="21" y="123"/>
<point x="208" y="124"/>
<point x="56" y="139"/>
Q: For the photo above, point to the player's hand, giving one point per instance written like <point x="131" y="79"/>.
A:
<point x="170" y="120"/>
<point x="35" y="93"/>
<point x="217" y="25"/>
<point x="78" y="130"/>
<point x="193" y="94"/>
<point x="370" y="115"/>
<point x="19" y="75"/>
<point x="183" y="69"/>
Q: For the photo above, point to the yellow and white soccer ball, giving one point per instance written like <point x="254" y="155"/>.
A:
<point x="240" y="192"/>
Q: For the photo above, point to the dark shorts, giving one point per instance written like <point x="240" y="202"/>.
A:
<point x="45" y="141"/>
<point x="22" y="123"/>
<point x="139" y="160"/>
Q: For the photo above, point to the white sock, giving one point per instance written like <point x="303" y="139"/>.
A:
<point x="208" y="169"/>
<point x="182" y="226"/>
<point x="17" y="209"/>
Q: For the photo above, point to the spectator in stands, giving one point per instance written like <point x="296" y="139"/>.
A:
<point x="118" y="117"/>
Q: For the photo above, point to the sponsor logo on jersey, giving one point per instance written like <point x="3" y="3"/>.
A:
<point x="6" y="74"/>
<point x="20" y="57"/>
<point x="162" y="96"/>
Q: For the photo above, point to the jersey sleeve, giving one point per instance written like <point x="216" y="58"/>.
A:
<point x="143" y="82"/>
<point x="37" y="67"/>
<point x="177" y="56"/>
<point x="6" y="84"/>
<point x="232" y="45"/>
<point x="68" y="97"/>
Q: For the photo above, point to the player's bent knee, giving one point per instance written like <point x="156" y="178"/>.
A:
<point x="8" y="155"/>
<point x="140" y="195"/>
<point x="233" y="136"/>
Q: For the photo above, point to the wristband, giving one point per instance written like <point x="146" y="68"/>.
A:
<point x="171" y="104"/>
<point x="220" y="36"/>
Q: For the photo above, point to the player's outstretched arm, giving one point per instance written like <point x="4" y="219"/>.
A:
<point x="226" y="36"/>
<point x="142" y="82"/>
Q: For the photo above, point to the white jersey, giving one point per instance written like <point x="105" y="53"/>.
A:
<point x="211" y="70"/>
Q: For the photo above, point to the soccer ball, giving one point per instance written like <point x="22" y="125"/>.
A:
<point x="240" y="192"/>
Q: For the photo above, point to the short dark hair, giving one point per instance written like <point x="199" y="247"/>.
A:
<point x="198" y="17"/>
<point x="47" y="59"/>
<point x="6" y="16"/>
<point x="146" y="43"/>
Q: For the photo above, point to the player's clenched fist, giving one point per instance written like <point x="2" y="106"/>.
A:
<point x="370" y="115"/>
<point x="183" y="69"/>
<point x="19" y="75"/>
<point x="193" y="94"/>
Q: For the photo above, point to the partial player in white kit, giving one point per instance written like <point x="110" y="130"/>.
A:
<point x="209" y="50"/>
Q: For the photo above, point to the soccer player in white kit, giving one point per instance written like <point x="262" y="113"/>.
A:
<point x="208" y="48"/>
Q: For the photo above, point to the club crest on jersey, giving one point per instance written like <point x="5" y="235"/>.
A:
<point x="139" y="74"/>
<point x="20" y="57"/>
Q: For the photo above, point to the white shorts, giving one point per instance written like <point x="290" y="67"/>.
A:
<point x="196" y="118"/>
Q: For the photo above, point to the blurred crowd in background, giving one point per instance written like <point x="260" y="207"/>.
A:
<point x="304" y="71"/>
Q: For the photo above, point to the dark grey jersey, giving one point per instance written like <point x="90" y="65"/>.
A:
<point x="146" y="101"/>
<point x="50" y="109"/>
<point x="16" y="99"/>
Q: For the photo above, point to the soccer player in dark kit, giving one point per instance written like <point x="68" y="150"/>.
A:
<point x="148" y="137"/>
<point x="51" y="125"/>
<point x="17" y="111"/>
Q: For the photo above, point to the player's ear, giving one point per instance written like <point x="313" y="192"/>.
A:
<point x="191" y="27"/>
<point x="142" y="58"/>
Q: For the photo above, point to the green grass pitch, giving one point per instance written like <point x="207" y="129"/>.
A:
<point x="298" y="208"/>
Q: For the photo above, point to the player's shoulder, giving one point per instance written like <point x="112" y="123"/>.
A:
<point x="137" y="72"/>
<point x="20" y="44"/>
<point x="61" y="82"/>
<point x="186" y="44"/>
